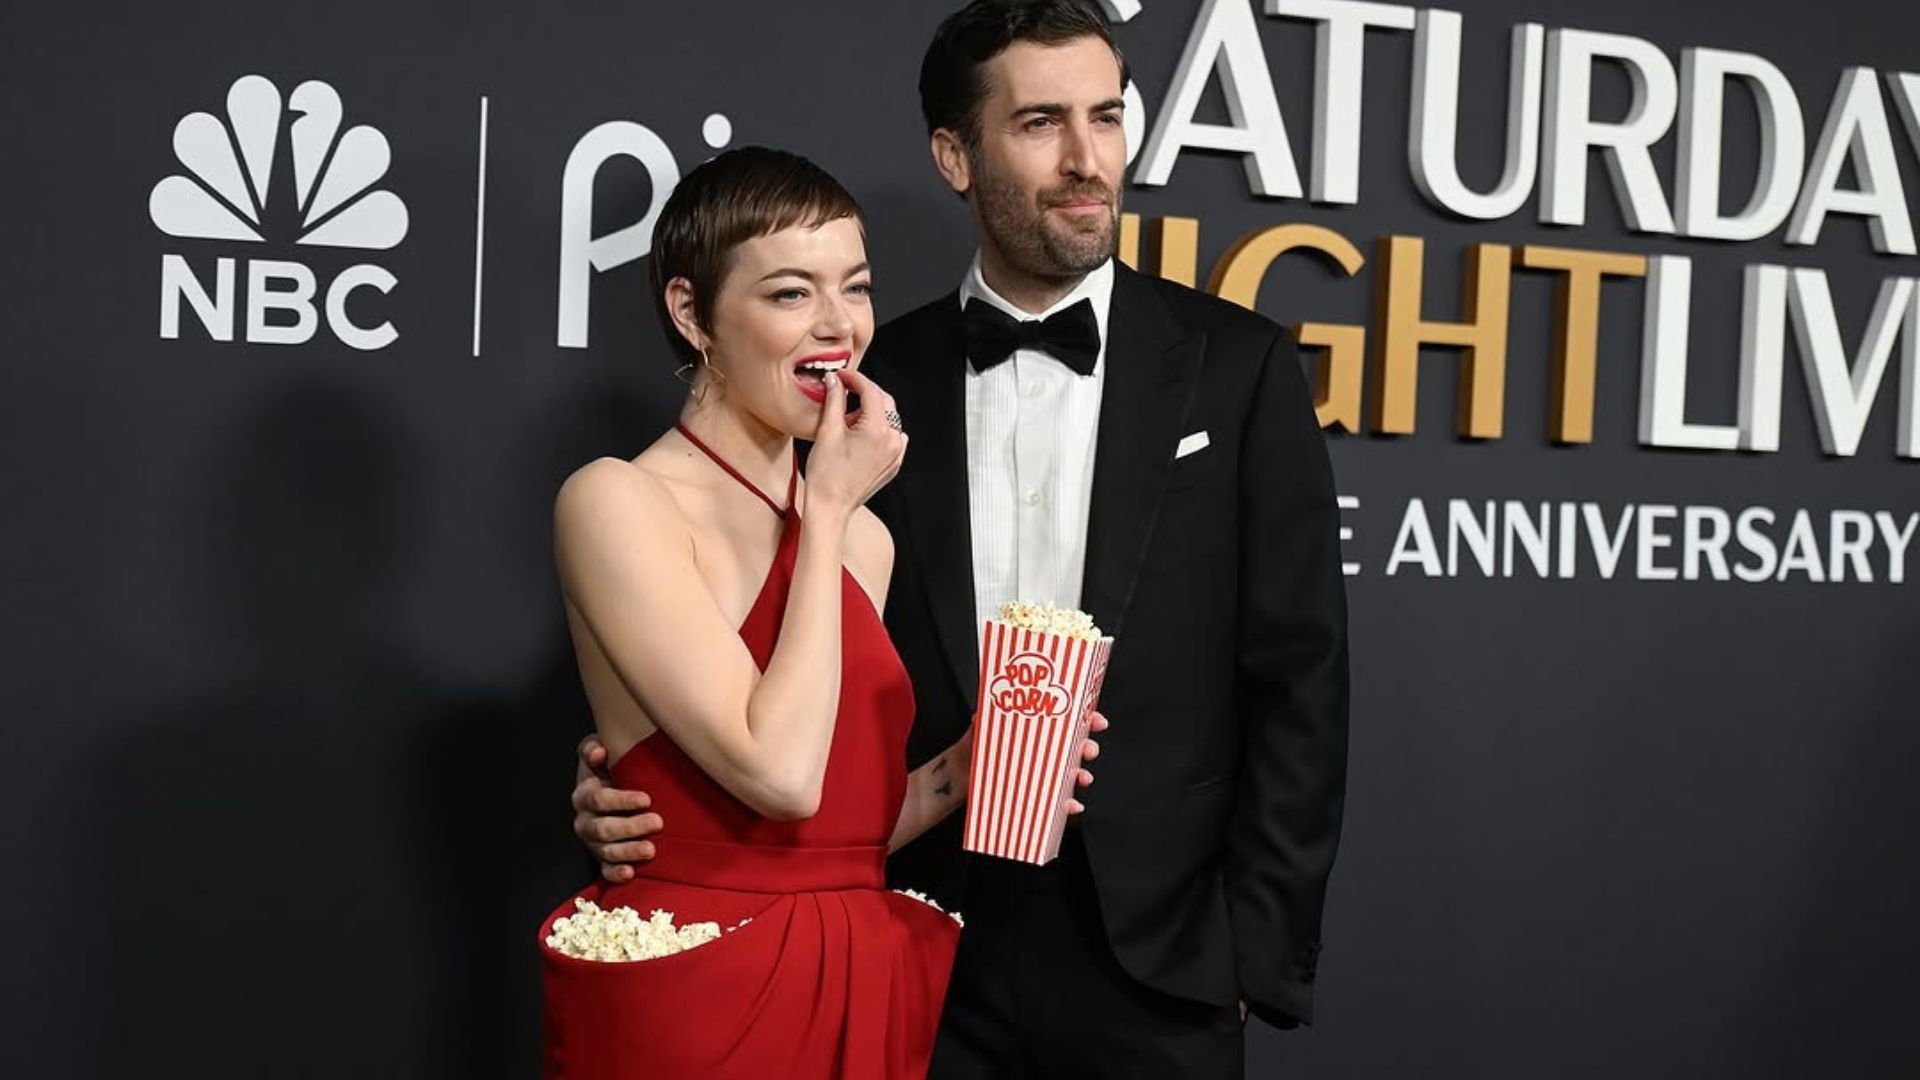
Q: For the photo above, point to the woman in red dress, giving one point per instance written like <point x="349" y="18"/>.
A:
<point x="725" y="614"/>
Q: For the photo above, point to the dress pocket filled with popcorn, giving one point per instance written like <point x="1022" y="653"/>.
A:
<point x="836" y="978"/>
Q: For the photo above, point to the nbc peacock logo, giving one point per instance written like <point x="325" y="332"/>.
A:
<point x="276" y="172"/>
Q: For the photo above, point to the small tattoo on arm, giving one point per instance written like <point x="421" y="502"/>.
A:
<point x="940" y="766"/>
<point x="945" y="790"/>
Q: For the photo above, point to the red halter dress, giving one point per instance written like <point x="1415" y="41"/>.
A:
<point x="832" y="976"/>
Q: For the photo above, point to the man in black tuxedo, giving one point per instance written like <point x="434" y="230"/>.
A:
<point x="1105" y="440"/>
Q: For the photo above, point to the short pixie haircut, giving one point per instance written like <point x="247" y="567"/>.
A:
<point x="743" y="194"/>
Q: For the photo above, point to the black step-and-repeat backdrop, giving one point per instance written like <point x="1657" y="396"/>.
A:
<point x="1615" y="323"/>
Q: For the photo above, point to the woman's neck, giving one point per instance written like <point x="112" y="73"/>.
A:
<point x="760" y="453"/>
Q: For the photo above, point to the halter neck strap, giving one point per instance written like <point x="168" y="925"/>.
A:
<point x="793" y="478"/>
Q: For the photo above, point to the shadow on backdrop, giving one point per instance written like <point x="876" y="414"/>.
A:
<point x="261" y="831"/>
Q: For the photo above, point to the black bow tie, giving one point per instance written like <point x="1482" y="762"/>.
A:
<point x="1071" y="336"/>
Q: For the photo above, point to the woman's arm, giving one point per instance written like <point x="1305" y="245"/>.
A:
<point x="627" y="568"/>
<point x="933" y="790"/>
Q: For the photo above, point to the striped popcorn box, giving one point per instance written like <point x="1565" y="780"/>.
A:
<point x="1037" y="695"/>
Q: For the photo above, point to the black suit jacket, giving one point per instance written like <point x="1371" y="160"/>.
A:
<point x="1214" y="822"/>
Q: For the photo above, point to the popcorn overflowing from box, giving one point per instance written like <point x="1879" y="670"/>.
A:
<point x="1041" y="669"/>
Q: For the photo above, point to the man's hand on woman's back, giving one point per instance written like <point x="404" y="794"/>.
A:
<point x="614" y="824"/>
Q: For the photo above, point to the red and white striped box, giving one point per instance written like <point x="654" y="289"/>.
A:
<point x="1037" y="696"/>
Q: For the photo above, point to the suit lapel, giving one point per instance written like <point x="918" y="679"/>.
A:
<point x="929" y="367"/>
<point x="1153" y="365"/>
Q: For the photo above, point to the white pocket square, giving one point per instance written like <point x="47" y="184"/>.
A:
<point x="1192" y="444"/>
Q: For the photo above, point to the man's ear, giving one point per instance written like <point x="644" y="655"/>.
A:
<point x="951" y="158"/>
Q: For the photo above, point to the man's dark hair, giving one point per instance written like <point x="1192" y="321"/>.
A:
<point x="953" y="74"/>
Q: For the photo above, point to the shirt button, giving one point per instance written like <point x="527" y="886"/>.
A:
<point x="1033" y="498"/>
<point x="1033" y="389"/>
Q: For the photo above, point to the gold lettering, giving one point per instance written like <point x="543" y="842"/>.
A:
<point x="1402" y="331"/>
<point x="1172" y="247"/>
<point x="1174" y="243"/>
<point x="1576" y="330"/>
<point x="1339" y="367"/>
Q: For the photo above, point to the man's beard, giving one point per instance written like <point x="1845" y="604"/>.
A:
<point x="1037" y="242"/>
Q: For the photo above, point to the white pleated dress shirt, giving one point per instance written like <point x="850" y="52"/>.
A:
<point x="1031" y="426"/>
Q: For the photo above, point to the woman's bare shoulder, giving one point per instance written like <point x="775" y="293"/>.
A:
<point x="645" y="481"/>
<point x="870" y="551"/>
<point x="624" y="494"/>
<point x="869" y="530"/>
<point x="609" y="483"/>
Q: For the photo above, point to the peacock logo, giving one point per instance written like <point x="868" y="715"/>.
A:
<point x="236" y="187"/>
<point x="230" y="168"/>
